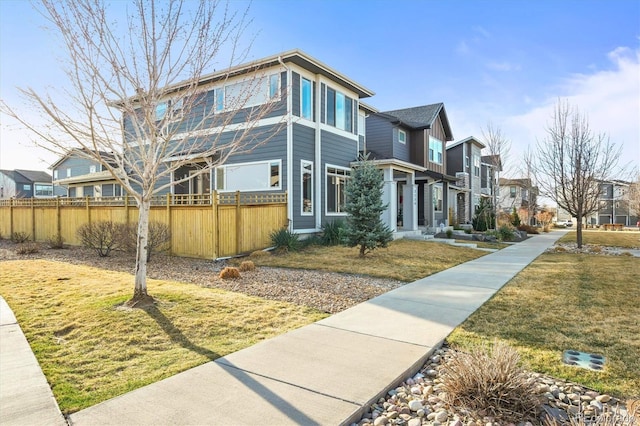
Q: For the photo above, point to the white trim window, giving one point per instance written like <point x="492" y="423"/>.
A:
<point x="402" y="137"/>
<point x="339" y="110"/>
<point x="92" y="168"/>
<point x="335" y="196"/>
<point x="68" y="172"/>
<point x="306" y="188"/>
<point x="435" y="150"/>
<point x="254" y="176"/>
<point x="306" y="98"/>
<point x="247" y="93"/>
<point x="362" y="127"/>
<point x="476" y="165"/>
<point x="55" y="174"/>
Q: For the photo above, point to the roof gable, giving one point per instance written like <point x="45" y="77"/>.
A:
<point x="422" y="117"/>
<point x="34" y="175"/>
<point x="470" y="139"/>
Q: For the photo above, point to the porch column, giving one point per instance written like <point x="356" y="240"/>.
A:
<point x="445" y="202"/>
<point x="410" y="204"/>
<point x="389" y="196"/>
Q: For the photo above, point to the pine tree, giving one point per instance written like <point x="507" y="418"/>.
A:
<point x="483" y="217"/>
<point x="364" y="205"/>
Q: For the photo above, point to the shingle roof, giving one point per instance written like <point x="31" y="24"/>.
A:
<point x="35" y="175"/>
<point x="422" y="117"/>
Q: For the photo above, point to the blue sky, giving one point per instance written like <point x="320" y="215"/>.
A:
<point x="504" y="62"/>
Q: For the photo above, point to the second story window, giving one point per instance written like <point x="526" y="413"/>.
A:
<point x="402" y="137"/>
<point x="247" y="93"/>
<point x="92" y="169"/>
<point x="435" y="150"/>
<point x="68" y="172"/>
<point x="512" y="191"/>
<point x="476" y="166"/>
<point x="306" y="98"/>
<point x="55" y="174"/>
<point x="339" y="110"/>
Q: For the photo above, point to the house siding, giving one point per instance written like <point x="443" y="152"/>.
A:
<point x="303" y="149"/>
<point x="401" y="151"/>
<point x="295" y="93"/>
<point x="455" y="160"/>
<point x="79" y="167"/>
<point x="378" y="133"/>
<point x="338" y="151"/>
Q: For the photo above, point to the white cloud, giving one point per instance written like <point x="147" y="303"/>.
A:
<point x="462" y="48"/>
<point x="610" y="99"/>
<point x="503" y="66"/>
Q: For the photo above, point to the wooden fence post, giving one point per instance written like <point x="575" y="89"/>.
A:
<point x="126" y="209"/>
<point x="169" y="225"/>
<point x="58" y="219"/>
<point x="88" y="210"/>
<point x="11" y="217"/>
<point x="216" y="226"/>
<point x="33" y="220"/>
<point x="238" y="223"/>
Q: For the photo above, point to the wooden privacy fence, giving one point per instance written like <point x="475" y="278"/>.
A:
<point x="206" y="226"/>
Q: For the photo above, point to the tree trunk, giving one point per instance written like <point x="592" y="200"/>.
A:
<point x="579" y="230"/>
<point x="140" y="297"/>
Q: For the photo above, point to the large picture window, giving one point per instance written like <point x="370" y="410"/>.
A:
<point x="258" y="176"/>
<point x="306" y="191"/>
<point x="247" y="93"/>
<point x="435" y="150"/>
<point x="336" y="179"/>
<point x="43" y="190"/>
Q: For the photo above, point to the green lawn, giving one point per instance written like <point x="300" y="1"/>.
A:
<point x="90" y="350"/>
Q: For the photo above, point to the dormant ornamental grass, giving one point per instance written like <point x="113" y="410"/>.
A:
<point x="92" y="350"/>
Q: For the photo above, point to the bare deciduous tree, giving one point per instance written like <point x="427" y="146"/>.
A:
<point x="572" y="161"/>
<point x="138" y="102"/>
<point x="634" y="197"/>
<point x="498" y="146"/>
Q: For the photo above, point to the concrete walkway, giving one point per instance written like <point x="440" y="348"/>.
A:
<point x="25" y="396"/>
<point x="328" y="372"/>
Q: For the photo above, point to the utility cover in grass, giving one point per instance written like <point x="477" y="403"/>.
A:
<point x="583" y="360"/>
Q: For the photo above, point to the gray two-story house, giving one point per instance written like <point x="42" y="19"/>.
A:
<point x="464" y="161"/>
<point x="83" y="176"/>
<point x="409" y="146"/>
<point x="303" y="146"/>
<point x="26" y="184"/>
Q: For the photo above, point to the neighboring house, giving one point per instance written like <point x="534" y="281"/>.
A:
<point x="25" y="184"/>
<point x="309" y="158"/>
<point x="464" y="162"/>
<point x="518" y="193"/>
<point x="82" y="176"/>
<point x="613" y="205"/>
<point x="490" y="168"/>
<point x="409" y="146"/>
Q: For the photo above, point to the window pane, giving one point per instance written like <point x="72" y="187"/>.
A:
<point x="331" y="107"/>
<point x="306" y="99"/>
<point x="248" y="177"/>
<point x="274" y="85"/>
<point x="219" y="99"/>
<point x="348" y="114"/>
<point x="161" y="110"/>
<point x="340" y="111"/>
<point x="335" y="190"/>
<point x="307" y="187"/>
<point x="275" y="175"/>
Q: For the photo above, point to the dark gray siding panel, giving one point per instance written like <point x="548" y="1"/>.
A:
<point x="303" y="149"/>
<point x="455" y="160"/>
<point x="379" y="136"/>
<point x="337" y="151"/>
<point x="295" y="94"/>
<point x="401" y="151"/>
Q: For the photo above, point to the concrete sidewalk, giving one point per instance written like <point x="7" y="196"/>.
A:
<point x="328" y="372"/>
<point x="25" y="396"/>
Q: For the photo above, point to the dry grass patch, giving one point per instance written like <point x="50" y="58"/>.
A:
<point x="570" y="301"/>
<point x="404" y="260"/>
<point x="485" y="244"/>
<point x="91" y="350"/>
<point x="605" y="238"/>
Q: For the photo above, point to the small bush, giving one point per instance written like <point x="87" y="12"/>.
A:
<point x="27" y="248"/>
<point x="489" y="381"/>
<point x="102" y="237"/>
<point x="626" y="253"/>
<point x="55" y="242"/>
<point x="285" y="240"/>
<point x="559" y="249"/>
<point x="546" y="228"/>
<point x="20" y="237"/>
<point x="229" y="273"/>
<point x="468" y="231"/>
<point x="259" y="253"/>
<point x="506" y="233"/>
<point x="527" y="228"/>
<point x="158" y="240"/>
<point x="247" y="265"/>
<point x="596" y="249"/>
<point x="333" y="233"/>
<point x="449" y="233"/>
